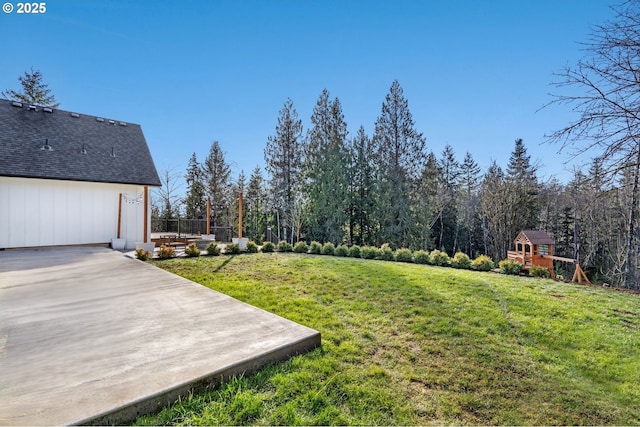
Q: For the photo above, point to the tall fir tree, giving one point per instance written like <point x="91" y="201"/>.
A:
<point x="469" y="181"/>
<point x="34" y="91"/>
<point x="524" y="189"/>
<point x="195" y="202"/>
<point x="361" y="214"/>
<point x="400" y="157"/>
<point x="326" y="172"/>
<point x="429" y="206"/>
<point x="256" y="206"/>
<point x="284" y="157"/>
<point x="216" y="177"/>
<point x="448" y="227"/>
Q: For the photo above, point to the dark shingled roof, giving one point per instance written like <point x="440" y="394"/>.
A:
<point x="25" y="130"/>
<point x="538" y="237"/>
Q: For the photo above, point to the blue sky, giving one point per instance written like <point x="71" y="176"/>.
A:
<point x="191" y="72"/>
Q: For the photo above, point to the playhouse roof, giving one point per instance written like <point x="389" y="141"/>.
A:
<point x="40" y="142"/>
<point x="536" y="237"/>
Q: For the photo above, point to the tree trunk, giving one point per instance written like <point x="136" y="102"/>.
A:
<point x="631" y="264"/>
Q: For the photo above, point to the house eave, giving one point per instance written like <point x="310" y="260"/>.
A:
<point x="53" y="178"/>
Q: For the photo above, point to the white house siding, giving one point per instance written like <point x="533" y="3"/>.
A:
<point x="40" y="212"/>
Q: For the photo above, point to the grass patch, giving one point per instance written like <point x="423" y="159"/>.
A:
<point x="407" y="344"/>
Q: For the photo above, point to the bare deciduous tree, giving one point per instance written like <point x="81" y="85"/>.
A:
<point x="604" y="89"/>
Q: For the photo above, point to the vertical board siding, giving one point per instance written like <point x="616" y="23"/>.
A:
<point x="38" y="212"/>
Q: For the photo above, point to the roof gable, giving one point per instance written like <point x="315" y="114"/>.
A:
<point x="536" y="237"/>
<point x="37" y="142"/>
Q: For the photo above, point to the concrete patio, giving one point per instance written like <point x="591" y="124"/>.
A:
<point x="88" y="335"/>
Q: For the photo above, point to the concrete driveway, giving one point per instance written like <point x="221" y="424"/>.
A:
<point x="88" y="335"/>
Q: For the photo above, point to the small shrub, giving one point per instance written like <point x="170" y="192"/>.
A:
<point x="461" y="260"/>
<point x="421" y="257"/>
<point x="213" y="249"/>
<point x="143" y="255"/>
<point x="483" y="263"/>
<point x="268" y="247"/>
<point x="192" y="250"/>
<point x="341" y="250"/>
<point x="508" y="266"/>
<point x="386" y="253"/>
<point x="328" y="248"/>
<point x="301" y="248"/>
<point x="404" y="255"/>
<point x="538" y="271"/>
<point x="232" y="249"/>
<point x="252" y="248"/>
<point x="354" y="251"/>
<point x="439" y="258"/>
<point x="315" y="248"/>
<point x="166" y="252"/>
<point x="369" y="252"/>
<point x="285" y="246"/>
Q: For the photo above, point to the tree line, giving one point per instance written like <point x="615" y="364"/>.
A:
<point x="388" y="188"/>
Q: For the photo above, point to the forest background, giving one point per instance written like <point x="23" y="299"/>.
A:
<point x="328" y="186"/>
<point x="389" y="188"/>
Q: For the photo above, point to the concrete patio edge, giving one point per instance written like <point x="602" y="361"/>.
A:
<point x="91" y="337"/>
<point x="155" y="402"/>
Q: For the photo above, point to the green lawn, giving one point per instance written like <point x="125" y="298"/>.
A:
<point x="406" y="344"/>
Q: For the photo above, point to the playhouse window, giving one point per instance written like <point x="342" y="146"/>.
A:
<point x="543" y="249"/>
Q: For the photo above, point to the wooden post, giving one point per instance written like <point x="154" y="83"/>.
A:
<point x="119" y="213"/>
<point x="208" y="215"/>
<point x="579" y="275"/>
<point x="240" y="217"/>
<point x="146" y="210"/>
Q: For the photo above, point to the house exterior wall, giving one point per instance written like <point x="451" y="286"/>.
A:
<point x="41" y="212"/>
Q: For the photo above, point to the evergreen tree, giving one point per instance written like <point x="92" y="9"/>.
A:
<point x="524" y="190"/>
<point x="284" y="156"/>
<point x="256" y="206"/>
<point x="400" y="156"/>
<point x="469" y="181"/>
<point x="34" y="91"/>
<point x="326" y="172"/>
<point x="361" y="221"/>
<point x="216" y="177"/>
<point x="429" y="206"/>
<point x="195" y="203"/>
<point x="447" y="237"/>
<point x="564" y="238"/>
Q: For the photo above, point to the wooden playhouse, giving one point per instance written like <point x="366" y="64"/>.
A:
<point x="535" y="248"/>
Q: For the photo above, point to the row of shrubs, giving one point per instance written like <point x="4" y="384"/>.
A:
<point x="435" y="257"/>
<point x="385" y="253"/>
<point x="508" y="266"/>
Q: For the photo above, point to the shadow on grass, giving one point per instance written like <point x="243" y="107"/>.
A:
<point x="226" y="261"/>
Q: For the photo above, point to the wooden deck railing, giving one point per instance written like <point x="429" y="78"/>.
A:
<point x="519" y="257"/>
